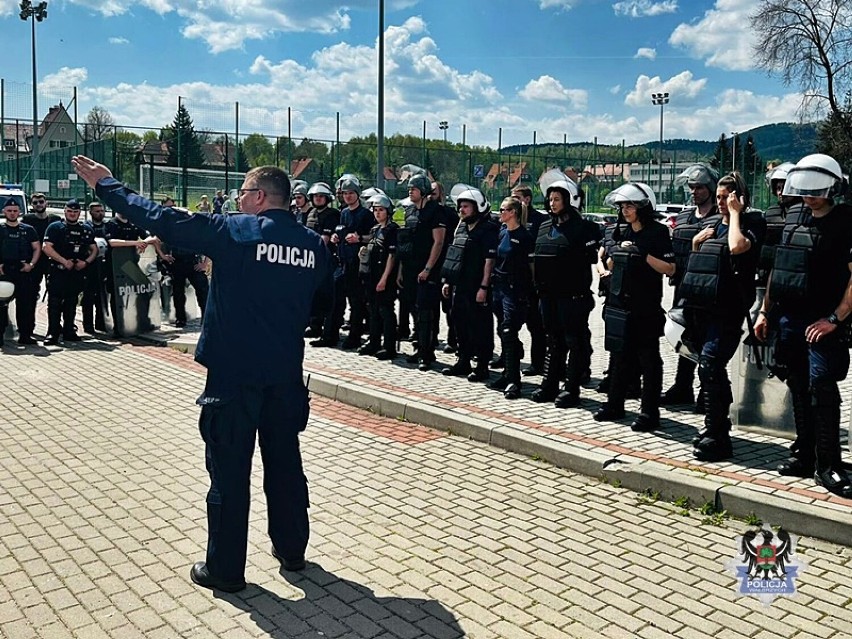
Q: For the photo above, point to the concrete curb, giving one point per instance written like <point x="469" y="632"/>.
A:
<point x="738" y="499"/>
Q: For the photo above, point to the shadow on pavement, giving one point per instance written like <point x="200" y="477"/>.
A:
<point x="334" y="607"/>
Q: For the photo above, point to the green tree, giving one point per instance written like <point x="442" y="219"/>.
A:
<point x="185" y="146"/>
<point x="257" y="150"/>
<point x="721" y="157"/>
<point x="830" y="138"/>
<point x="99" y="125"/>
<point x="127" y="146"/>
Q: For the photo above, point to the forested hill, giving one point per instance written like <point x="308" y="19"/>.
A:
<point x="783" y="141"/>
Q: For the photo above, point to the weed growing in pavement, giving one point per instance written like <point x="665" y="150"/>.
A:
<point x="753" y="520"/>
<point x="683" y="504"/>
<point x="648" y="496"/>
<point x="713" y="517"/>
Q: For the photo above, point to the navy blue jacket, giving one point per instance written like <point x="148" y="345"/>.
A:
<point x="266" y="270"/>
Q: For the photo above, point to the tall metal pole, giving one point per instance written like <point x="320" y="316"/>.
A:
<point x="733" y="151"/>
<point x="660" y="99"/>
<point x="35" y="14"/>
<point x="380" y="134"/>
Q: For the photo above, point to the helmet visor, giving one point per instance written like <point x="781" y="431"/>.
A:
<point x="628" y="193"/>
<point x="809" y="182"/>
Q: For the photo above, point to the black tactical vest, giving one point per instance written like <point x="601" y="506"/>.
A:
<point x="791" y="265"/>
<point x="15" y="247"/>
<point x="775" y="221"/>
<point x="708" y="274"/>
<point x="407" y="234"/>
<point x="562" y="263"/>
<point x="626" y="263"/>
<point x="687" y="226"/>
<point x="452" y="268"/>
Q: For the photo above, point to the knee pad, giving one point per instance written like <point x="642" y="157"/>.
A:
<point x="825" y="393"/>
<point x="709" y="371"/>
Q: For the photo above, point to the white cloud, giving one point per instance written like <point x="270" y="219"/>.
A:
<point x="642" y="8"/>
<point x="565" y="5"/>
<point x="118" y="41"/>
<point x="227" y="24"/>
<point x="549" y="89"/>
<point x="59" y="82"/>
<point x="615" y="90"/>
<point x="682" y="88"/>
<point x="722" y="37"/>
<point x="646" y="52"/>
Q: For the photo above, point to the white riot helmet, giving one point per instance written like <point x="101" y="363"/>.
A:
<point x="698" y="174"/>
<point x="102" y="245"/>
<point x="349" y="182"/>
<point x="777" y="173"/>
<point x="298" y="187"/>
<point x="7" y="292"/>
<point x="638" y="193"/>
<point x="369" y="192"/>
<point x="556" y="179"/>
<point x="816" y="175"/>
<point x="461" y="192"/>
<point x="320" y="188"/>
<point x="674" y="330"/>
<point x="380" y="199"/>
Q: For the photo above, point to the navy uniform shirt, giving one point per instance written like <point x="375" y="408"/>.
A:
<point x="71" y="241"/>
<point x="646" y="283"/>
<point x="266" y="270"/>
<point x="16" y="245"/>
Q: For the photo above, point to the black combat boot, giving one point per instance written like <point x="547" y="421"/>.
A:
<point x="802" y="451"/>
<point x="716" y="444"/>
<point x="554" y="364"/>
<point x="480" y="373"/>
<point x="681" y="391"/>
<point x="498" y="363"/>
<point x="829" y="472"/>
<point x="460" y="369"/>
<point x="512" y="373"/>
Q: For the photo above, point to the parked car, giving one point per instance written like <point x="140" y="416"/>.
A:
<point x="667" y="214"/>
<point x="601" y="219"/>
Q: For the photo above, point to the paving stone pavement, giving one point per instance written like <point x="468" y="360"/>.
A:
<point x="415" y="532"/>
<point x="660" y="461"/>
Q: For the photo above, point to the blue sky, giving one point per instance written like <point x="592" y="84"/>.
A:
<point x="581" y="68"/>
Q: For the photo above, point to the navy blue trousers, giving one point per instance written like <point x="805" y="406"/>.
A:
<point x="275" y="415"/>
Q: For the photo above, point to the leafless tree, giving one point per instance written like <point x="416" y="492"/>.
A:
<point x="809" y="43"/>
<point x="99" y="124"/>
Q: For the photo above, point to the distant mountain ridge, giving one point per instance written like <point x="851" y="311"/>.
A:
<point x="786" y="141"/>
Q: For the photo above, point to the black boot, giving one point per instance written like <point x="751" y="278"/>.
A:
<point x="554" y="363"/>
<point x="716" y="444"/>
<point x="829" y="473"/>
<point x="498" y="363"/>
<point x="802" y="451"/>
<point x="613" y="409"/>
<point x="460" y="369"/>
<point x="681" y="391"/>
<point x="481" y="372"/>
<point x="512" y="350"/>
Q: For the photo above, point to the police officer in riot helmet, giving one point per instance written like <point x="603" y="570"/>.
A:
<point x="466" y="278"/>
<point x="378" y="273"/>
<point x="20" y="252"/>
<point x="323" y="219"/>
<point x="452" y="219"/>
<point x="806" y="312"/>
<point x="719" y="289"/>
<point x="420" y="246"/>
<point x="775" y="217"/>
<point x="94" y="295"/>
<point x="512" y="285"/>
<point x="71" y="247"/>
<point x="534" y="219"/>
<point x="565" y="250"/>
<point x="634" y="319"/>
<point x="351" y="233"/>
<point x="700" y="180"/>
<point x="301" y="205"/>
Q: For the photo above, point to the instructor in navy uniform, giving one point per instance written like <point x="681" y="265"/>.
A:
<point x="266" y="269"/>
